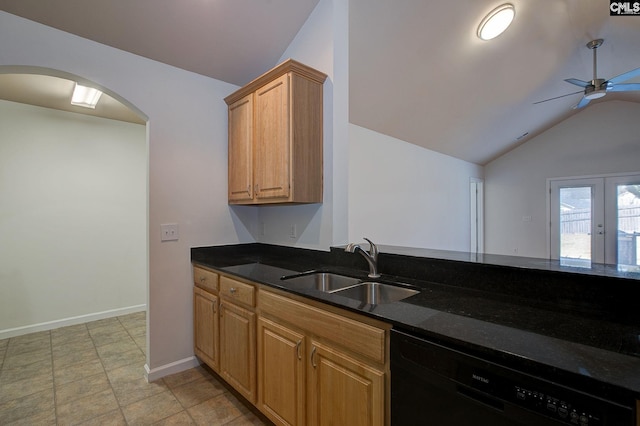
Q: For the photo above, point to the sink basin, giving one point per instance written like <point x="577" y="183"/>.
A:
<point x="323" y="281"/>
<point x="376" y="293"/>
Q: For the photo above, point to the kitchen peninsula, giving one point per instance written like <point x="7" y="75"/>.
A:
<point x="578" y="327"/>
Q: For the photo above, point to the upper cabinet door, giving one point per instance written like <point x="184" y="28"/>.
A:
<point x="275" y="137"/>
<point x="272" y="140"/>
<point x="241" y="149"/>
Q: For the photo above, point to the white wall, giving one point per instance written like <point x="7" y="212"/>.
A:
<point x="603" y="138"/>
<point x="404" y="195"/>
<point x="187" y="165"/>
<point x="313" y="46"/>
<point x="73" y="218"/>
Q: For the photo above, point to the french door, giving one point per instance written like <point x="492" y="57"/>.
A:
<point x="595" y="219"/>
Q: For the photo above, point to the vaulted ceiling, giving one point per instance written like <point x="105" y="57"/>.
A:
<point x="417" y="70"/>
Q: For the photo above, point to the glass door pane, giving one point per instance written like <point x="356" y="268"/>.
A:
<point x="575" y="223"/>
<point x="628" y="227"/>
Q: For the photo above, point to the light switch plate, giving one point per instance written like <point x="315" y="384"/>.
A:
<point x="169" y="232"/>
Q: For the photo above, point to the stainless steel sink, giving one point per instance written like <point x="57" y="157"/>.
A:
<point x="376" y="293"/>
<point x="323" y="281"/>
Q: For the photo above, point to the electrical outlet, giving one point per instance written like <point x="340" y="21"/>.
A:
<point x="169" y="232"/>
<point x="293" y="232"/>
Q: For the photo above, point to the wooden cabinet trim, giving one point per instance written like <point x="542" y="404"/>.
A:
<point x="357" y="337"/>
<point x="289" y="65"/>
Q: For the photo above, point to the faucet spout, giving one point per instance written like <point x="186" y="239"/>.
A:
<point x="371" y="256"/>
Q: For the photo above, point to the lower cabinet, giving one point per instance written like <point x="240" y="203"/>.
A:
<point x="281" y="366"/>
<point x="238" y="348"/>
<point x="314" y="369"/>
<point x="342" y="390"/>
<point x="206" y="327"/>
<point x="299" y="362"/>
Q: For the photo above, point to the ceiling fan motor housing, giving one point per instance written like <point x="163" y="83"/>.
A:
<point x="596" y="89"/>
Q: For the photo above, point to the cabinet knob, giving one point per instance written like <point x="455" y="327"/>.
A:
<point x="203" y="279"/>
<point x="232" y="290"/>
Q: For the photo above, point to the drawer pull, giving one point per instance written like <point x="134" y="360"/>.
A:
<point x="203" y="279"/>
<point x="313" y="357"/>
<point x="232" y="290"/>
<point x="298" y="349"/>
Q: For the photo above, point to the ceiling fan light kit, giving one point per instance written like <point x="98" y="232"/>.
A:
<point x="496" y="22"/>
<point x="598" y="87"/>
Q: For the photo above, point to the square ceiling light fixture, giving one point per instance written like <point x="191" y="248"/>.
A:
<point x="496" y="22"/>
<point x="85" y="96"/>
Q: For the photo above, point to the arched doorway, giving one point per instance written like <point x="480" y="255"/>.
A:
<point x="75" y="185"/>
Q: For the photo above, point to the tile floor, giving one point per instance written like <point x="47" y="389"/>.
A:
<point x="93" y="374"/>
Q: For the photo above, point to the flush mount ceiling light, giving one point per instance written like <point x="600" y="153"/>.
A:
<point x="85" y="96"/>
<point x="496" y="22"/>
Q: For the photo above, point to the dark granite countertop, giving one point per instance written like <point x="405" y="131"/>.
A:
<point x="586" y="334"/>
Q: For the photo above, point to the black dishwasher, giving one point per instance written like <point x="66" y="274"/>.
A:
<point x="436" y="385"/>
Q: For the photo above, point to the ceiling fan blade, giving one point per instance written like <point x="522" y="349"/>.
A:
<point x="624" y="87"/>
<point x="583" y="103"/>
<point x="558" y="97"/>
<point x="626" y="76"/>
<point x="577" y="82"/>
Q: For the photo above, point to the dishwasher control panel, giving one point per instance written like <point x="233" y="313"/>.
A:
<point x="561" y="409"/>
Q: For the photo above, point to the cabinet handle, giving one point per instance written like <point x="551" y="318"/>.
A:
<point x="203" y="279"/>
<point x="298" y="349"/>
<point x="232" y="290"/>
<point x="313" y="356"/>
<point x="214" y="307"/>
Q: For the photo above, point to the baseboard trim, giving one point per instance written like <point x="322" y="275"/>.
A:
<point x="81" y="319"/>
<point x="175" y="367"/>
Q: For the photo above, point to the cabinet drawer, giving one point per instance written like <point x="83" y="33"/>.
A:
<point x="237" y="291"/>
<point x="205" y="279"/>
<point x="358" y="337"/>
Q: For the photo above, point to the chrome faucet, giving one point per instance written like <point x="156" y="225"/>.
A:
<point x="371" y="257"/>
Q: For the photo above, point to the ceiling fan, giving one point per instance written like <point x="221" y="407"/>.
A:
<point x="598" y="87"/>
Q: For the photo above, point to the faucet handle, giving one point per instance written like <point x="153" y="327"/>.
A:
<point x="373" y="249"/>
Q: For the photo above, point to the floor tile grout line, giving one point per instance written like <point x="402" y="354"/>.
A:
<point x="104" y="369"/>
<point x="132" y="338"/>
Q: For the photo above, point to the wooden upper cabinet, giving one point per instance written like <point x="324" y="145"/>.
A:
<point x="241" y="150"/>
<point x="271" y="132"/>
<point x="275" y="137"/>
